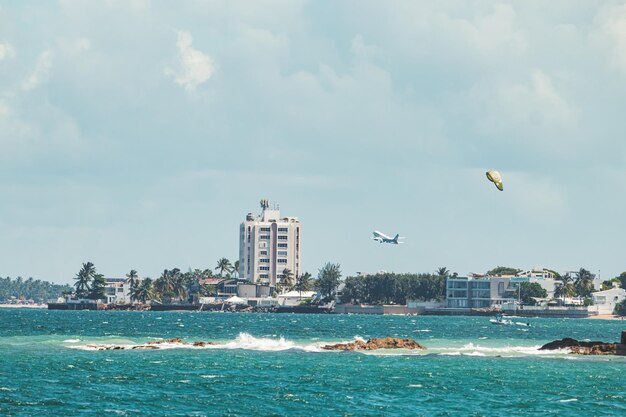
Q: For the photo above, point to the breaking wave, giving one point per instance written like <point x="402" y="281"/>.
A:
<point x="242" y="341"/>
<point x="471" y="349"/>
<point x="246" y="341"/>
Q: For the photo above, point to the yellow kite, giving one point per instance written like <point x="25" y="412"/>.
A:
<point x="494" y="177"/>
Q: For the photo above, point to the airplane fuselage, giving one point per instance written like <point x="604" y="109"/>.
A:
<point x="383" y="238"/>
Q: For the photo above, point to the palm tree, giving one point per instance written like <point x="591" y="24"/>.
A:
<point x="286" y="279"/>
<point x="442" y="272"/>
<point x="132" y="280"/>
<point x="236" y="268"/>
<point x="559" y="290"/>
<point x="566" y="287"/>
<point x="223" y="265"/>
<point x="164" y="285"/>
<point x="145" y="291"/>
<point x="83" y="279"/>
<point x="584" y="283"/>
<point x="97" y="287"/>
<point x="303" y="283"/>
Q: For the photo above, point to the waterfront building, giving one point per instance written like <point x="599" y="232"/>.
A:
<point x="117" y="291"/>
<point x="537" y="272"/>
<point x="483" y="292"/>
<point x="269" y="244"/>
<point x="604" y="302"/>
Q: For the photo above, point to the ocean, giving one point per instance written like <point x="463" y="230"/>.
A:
<point x="272" y="365"/>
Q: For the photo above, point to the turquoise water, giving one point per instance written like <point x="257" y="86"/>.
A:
<point x="272" y="364"/>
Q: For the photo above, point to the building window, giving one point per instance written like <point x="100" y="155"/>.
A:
<point x="265" y="229"/>
<point x="264" y="261"/>
<point x="283" y="229"/>
<point x="282" y="253"/>
<point x="281" y="261"/>
<point x="264" y="268"/>
<point x="263" y="252"/>
<point x="500" y="288"/>
<point x="264" y="276"/>
<point x="282" y="245"/>
<point x="264" y="237"/>
<point x="283" y="237"/>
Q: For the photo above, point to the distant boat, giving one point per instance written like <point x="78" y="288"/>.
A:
<point x="500" y="320"/>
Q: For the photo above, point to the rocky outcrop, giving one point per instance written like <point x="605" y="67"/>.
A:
<point x="151" y="345"/>
<point x="589" y="348"/>
<point x="376" y="343"/>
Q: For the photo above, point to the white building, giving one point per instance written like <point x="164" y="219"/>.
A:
<point x="537" y="272"/>
<point x="117" y="291"/>
<point x="269" y="244"/>
<point x="604" y="301"/>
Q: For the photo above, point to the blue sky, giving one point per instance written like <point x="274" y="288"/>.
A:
<point x="138" y="134"/>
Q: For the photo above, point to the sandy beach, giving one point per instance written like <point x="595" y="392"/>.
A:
<point x="606" y="317"/>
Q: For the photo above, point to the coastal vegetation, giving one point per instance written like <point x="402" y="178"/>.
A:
<point x="391" y="288"/>
<point x="328" y="280"/>
<point x="503" y="270"/>
<point x="531" y="290"/>
<point x="30" y="289"/>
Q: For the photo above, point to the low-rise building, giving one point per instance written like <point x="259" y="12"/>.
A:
<point x="484" y="292"/>
<point x="604" y="302"/>
<point x="117" y="291"/>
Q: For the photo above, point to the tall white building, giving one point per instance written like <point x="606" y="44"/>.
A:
<point x="269" y="244"/>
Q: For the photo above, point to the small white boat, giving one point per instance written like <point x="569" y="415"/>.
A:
<point x="500" y="320"/>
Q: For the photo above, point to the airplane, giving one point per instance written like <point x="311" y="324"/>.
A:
<point x="383" y="238"/>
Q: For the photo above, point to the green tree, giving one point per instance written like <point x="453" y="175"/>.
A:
<point x="620" y="308"/>
<point x="584" y="283"/>
<point x="303" y="283"/>
<point x="98" y="285"/>
<point x="528" y="290"/>
<point x="132" y="279"/>
<point x="503" y="270"/>
<point x="622" y="280"/>
<point x="286" y="279"/>
<point x="224" y="265"/>
<point x="443" y="272"/>
<point x="164" y="286"/>
<point x="145" y="290"/>
<point x="559" y="291"/>
<point x="236" y="268"/>
<point x="567" y="287"/>
<point x="328" y="279"/>
<point x="354" y="290"/>
<point x="83" y="279"/>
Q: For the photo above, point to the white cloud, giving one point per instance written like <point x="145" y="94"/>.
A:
<point x="490" y="33"/>
<point x="6" y="51"/>
<point x="611" y="34"/>
<point x="41" y="71"/>
<point x="74" y="46"/>
<point x="4" y="110"/>
<point x="506" y="105"/>
<point x="196" y="67"/>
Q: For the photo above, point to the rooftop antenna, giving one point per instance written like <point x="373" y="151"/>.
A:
<point x="264" y="203"/>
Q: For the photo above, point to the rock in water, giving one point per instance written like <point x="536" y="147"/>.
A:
<point x="588" y="348"/>
<point x="376" y="343"/>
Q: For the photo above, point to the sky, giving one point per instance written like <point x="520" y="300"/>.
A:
<point x="137" y="134"/>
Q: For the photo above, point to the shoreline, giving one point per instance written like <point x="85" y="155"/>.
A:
<point x="606" y="317"/>
<point x="23" y="305"/>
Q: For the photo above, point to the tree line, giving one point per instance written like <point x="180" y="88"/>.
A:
<point x="391" y="288"/>
<point x="173" y="285"/>
<point x="30" y="289"/>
